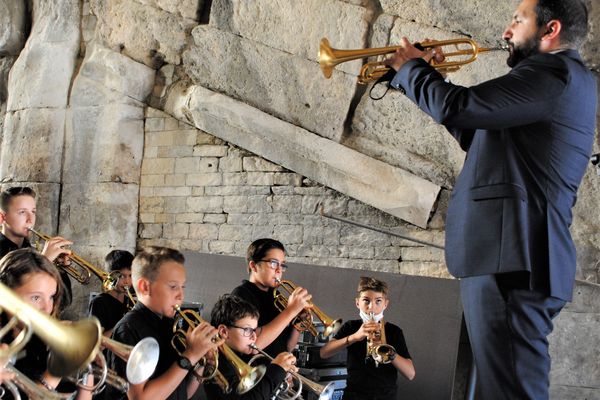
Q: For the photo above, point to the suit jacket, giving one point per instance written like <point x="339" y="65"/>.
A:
<point x="528" y="137"/>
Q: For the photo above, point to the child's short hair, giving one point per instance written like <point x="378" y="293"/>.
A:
<point x="147" y="262"/>
<point x="18" y="263"/>
<point x="368" y="283"/>
<point x="117" y="260"/>
<point x="260" y="247"/>
<point x="8" y="194"/>
<point x="230" y="308"/>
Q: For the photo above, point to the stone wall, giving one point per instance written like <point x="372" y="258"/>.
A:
<point x="200" y="193"/>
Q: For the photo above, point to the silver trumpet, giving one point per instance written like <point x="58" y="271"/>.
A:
<point x="30" y="388"/>
<point x="323" y="392"/>
<point x="141" y="359"/>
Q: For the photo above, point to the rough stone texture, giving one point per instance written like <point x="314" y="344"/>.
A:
<point x="286" y="86"/>
<point x="98" y="214"/>
<point x="343" y="24"/>
<point x="105" y="132"/>
<point x="41" y="74"/>
<point x="13" y="16"/>
<point x="38" y="134"/>
<point x="142" y="31"/>
<point x="338" y="167"/>
<point x="575" y="346"/>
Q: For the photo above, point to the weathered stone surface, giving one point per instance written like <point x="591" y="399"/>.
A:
<point x="41" y="76"/>
<point x="284" y="22"/>
<point x="6" y="64"/>
<point x="32" y="145"/>
<point x="185" y="8"/>
<point x="145" y="33"/>
<point x="99" y="214"/>
<point x="105" y="133"/>
<point x="336" y="166"/>
<point x="575" y="343"/>
<point x="287" y="86"/>
<point x="13" y="15"/>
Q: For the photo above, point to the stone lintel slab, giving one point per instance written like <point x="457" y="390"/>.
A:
<point x="373" y="182"/>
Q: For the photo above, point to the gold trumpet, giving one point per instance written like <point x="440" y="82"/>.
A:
<point x="381" y="353"/>
<point x="83" y="273"/>
<point x="465" y="51"/>
<point x="132" y="300"/>
<point x="72" y="346"/>
<point x="304" y="323"/>
<point x="323" y="392"/>
<point x="248" y="376"/>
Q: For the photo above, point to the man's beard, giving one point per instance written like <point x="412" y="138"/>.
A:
<point x="522" y="51"/>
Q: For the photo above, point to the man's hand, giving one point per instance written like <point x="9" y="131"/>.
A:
<point x="199" y="341"/>
<point x="406" y="51"/>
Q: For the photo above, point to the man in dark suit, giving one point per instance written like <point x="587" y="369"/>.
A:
<point x="528" y="137"/>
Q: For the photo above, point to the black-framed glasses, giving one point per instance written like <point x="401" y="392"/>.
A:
<point x="247" y="330"/>
<point x="274" y="264"/>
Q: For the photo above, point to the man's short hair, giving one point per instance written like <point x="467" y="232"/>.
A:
<point x="148" y="261"/>
<point x="18" y="263"/>
<point x="260" y="247"/>
<point x="368" y="283"/>
<point x="230" y="308"/>
<point x="8" y="194"/>
<point x="117" y="260"/>
<point x="572" y="14"/>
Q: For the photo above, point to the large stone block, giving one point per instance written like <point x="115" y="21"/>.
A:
<point x="287" y="86"/>
<point x="145" y="33"/>
<point x="404" y="195"/>
<point x="294" y="27"/>
<point x="41" y="76"/>
<point x="104" y="143"/>
<point x="12" y="27"/>
<point x="186" y="8"/>
<point x="99" y="214"/>
<point x="32" y="145"/>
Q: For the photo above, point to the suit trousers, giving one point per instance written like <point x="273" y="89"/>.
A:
<point x="508" y="331"/>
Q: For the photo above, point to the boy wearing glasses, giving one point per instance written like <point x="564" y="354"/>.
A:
<point x="237" y="321"/>
<point x="266" y="264"/>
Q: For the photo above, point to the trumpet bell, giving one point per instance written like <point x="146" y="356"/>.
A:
<point x="143" y="360"/>
<point x="249" y="380"/>
<point x="332" y="327"/>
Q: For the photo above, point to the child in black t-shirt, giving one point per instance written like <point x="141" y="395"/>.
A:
<point x="366" y="378"/>
<point x="110" y="307"/>
<point x="237" y="321"/>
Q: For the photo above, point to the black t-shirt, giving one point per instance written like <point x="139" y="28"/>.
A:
<point x="263" y="300"/>
<point x="136" y="325"/>
<point x="364" y="378"/>
<point x="264" y="389"/>
<point x="7" y="245"/>
<point x="108" y="310"/>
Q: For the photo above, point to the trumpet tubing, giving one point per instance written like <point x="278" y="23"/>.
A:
<point x="381" y="353"/>
<point x="72" y="346"/>
<point x="329" y="57"/>
<point x="323" y="392"/>
<point x="83" y="274"/>
<point x="32" y="389"/>
<point x="331" y="325"/>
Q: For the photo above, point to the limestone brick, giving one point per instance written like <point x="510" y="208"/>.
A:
<point x="210" y="150"/>
<point x="289" y="233"/>
<point x="171" y="191"/>
<point x="150" y="231"/>
<point x="230" y="164"/>
<point x="239" y="233"/>
<point x="175" y="179"/>
<point x="175" y="151"/>
<point x="175" y="231"/>
<point x="236" y="190"/>
<point x="287" y="179"/>
<point x="214" y="218"/>
<point x="260" y="178"/>
<point x="287" y="203"/>
<point x="158" y="166"/>
<point x="207" y="179"/>
<point x="238" y="178"/>
<point x="204" y="231"/>
<point x="175" y="205"/>
<point x="221" y="247"/>
<point x="152" y="180"/>
<point x="260" y="164"/>
<point x="208" y="204"/>
<point x="190" y="217"/>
